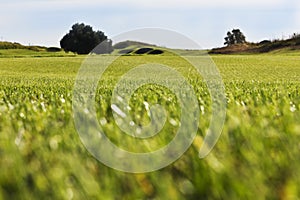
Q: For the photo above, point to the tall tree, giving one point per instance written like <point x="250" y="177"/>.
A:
<point x="82" y="39"/>
<point x="234" y="37"/>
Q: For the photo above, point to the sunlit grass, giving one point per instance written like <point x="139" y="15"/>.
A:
<point x="257" y="156"/>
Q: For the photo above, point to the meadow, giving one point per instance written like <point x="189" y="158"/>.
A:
<point x="257" y="156"/>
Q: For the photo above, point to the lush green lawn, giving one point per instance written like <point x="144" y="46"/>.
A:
<point x="257" y="156"/>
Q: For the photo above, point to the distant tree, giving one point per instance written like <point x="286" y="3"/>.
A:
<point x="229" y="40"/>
<point x="234" y="37"/>
<point x="82" y="39"/>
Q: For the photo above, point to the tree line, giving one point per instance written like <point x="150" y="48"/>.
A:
<point x="82" y="39"/>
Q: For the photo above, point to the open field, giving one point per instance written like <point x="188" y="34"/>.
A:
<point x="257" y="156"/>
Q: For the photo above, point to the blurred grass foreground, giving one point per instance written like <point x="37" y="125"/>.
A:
<point x="257" y="156"/>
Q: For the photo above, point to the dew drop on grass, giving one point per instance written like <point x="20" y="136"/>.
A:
<point x="120" y="98"/>
<point x="138" y="131"/>
<point x="86" y="111"/>
<point x="202" y="109"/>
<point x="293" y="108"/>
<point x="54" y="141"/>
<point x="22" y="115"/>
<point x="10" y="106"/>
<point x="43" y="106"/>
<point x="53" y="144"/>
<point x="186" y="187"/>
<point x="103" y="121"/>
<point x="173" y="122"/>
<point x="62" y="100"/>
<point x="243" y="103"/>
<point x="146" y="104"/>
<point x="118" y="110"/>
<point x="131" y="123"/>
<point x="19" y="138"/>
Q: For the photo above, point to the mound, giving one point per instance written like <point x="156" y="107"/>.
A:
<point x="261" y="47"/>
<point x="15" y="45"/>
<point x="237" y="48"/>
<point x="125" y="51"/>
<point x="128" y="43"/>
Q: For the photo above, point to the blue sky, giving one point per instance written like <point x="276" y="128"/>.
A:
<point x="44" y="22"/>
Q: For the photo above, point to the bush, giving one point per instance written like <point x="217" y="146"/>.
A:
<point x="53" y="49"/>
<point x="9" y="45"/>
<point x="264" y="42"/>
<point x="82" y="39"/>
<point x="33" y="48"/>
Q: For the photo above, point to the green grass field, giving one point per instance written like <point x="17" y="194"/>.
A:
<point x="257" y="156"/>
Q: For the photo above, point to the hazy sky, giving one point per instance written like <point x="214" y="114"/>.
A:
<point x="44" y="22"/>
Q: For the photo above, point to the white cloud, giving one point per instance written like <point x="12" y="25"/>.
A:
<point x="159" y="4"/>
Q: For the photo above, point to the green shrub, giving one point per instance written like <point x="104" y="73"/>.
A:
<point x="53" y="49"/>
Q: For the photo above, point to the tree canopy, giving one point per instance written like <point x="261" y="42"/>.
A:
<point x="234" y="37"/>
<point x="82" y="39"/>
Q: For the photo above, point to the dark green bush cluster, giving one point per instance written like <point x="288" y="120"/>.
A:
<point x="82" y="39"/>
<point x="9" y="45"/>
<point x="15" y="45"/>
<point x="53" y="49"/>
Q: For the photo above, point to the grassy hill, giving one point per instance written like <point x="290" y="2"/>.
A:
<point x="13" y="49"/>
<point x="135" y="48"/>
<point x="15" y="45"/>
<point x="266" y="46"/>
<point x="128" y="43"/>
<point x="129" y="48"/>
